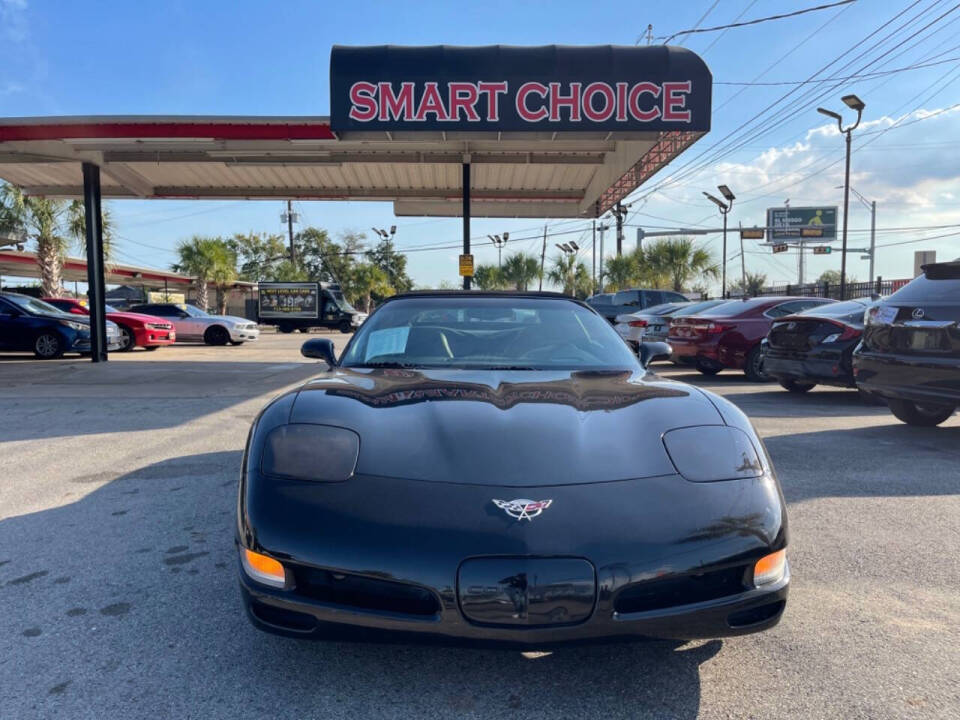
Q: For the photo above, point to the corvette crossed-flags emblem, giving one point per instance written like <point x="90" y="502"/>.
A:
<point x="523" y="509"/>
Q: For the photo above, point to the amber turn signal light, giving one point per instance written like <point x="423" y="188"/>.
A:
<point x="770" y="568"/>
<point x="263" y="569"/>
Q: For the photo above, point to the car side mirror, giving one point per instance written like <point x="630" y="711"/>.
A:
<point x="320" y="349"/>
<point x="651" y="351"/>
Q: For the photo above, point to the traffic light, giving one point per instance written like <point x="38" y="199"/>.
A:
<point x="780" y="248"/>
<point x="822" y="250"/>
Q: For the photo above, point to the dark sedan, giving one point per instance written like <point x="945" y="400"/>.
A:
<point x="910" y="354"/>
<point x="484" y="468"/>
<point x="29" y="324"/>
<point x="729" y="335"/>
<point x="815" y="347"/>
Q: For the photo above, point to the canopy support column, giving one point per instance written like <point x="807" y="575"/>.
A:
<point x="466" y="216"/>
<point x="96" y="288"/>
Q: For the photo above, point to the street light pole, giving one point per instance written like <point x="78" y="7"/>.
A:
<point x="726" y="207"/>
<point x="854" y="103"/>
<point x="873" y="236"/>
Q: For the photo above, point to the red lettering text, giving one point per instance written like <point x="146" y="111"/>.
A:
<point x="523" y="110"/>
<point x="493" y="90"/>
<point x="674" y="97"/>
<point x="364" y="107"/>
<point x="462" y="96"/>
<point x="571" y="101"/>
<point x="634" y="102"/>
<point x="396" y="107"/>
<point x="609" y="102"/>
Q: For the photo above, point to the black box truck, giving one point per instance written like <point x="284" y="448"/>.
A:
<point x="304" y="305"/>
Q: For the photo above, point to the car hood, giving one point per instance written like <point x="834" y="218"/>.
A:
<point x="511" y="428"/>
<point x="137" y="317"/>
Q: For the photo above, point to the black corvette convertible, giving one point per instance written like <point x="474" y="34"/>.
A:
<point x="484" y="468"/>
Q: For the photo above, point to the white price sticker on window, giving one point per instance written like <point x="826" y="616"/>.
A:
<point x="885" y="315"/>
<point x="390" y="341"/>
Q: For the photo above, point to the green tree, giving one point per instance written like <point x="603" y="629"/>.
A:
<point x="368" y="280"/>
<point x="208" y="260"/>
<point x="488" y="277"/>
<point x="258" y="255"/>
<point x="394" y="264"/>
<point x="326" y="260"/>
<point x="756" y="282"/>
<point x="520" y="270"/>
<point x="571" y="274"/>
<point x="678" y="259"/>
<point x="833" y="277"/>
<point x="619" y="273"/>
<point x="52" y="225"/>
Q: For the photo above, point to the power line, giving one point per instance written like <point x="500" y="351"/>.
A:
<point x="880" y="73"/>
<point x="668" y="38"/>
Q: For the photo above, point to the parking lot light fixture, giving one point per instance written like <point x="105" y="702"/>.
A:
<point x="724" y="208"/>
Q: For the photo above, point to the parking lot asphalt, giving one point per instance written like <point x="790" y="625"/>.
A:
<point x="118" y="571"/>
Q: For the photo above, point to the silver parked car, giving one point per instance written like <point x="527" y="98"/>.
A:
<point x="194" y="325"/>
<point x="653" y="323"/>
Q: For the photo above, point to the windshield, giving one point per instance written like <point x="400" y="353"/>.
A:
<point x="735" y="307"/>
<point x="110" y="308"/>
<point x="840" y="309"/>
<point x="340" y="301"/>
<point x="193" y="311"/>
<point x="491" y="333"/>
<point x="32" y="305"/>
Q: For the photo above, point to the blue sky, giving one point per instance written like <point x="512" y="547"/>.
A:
<point x="253" y="58"/>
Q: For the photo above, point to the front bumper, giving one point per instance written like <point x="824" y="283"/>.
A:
<point x="918" y="378"/>
<point x="151" y="337"/>
<point x="244" y="334"/>
<point x="822" y="366"/>
<point x="384" y="559"/>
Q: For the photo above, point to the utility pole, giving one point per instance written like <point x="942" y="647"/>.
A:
<point x="289" y="217"/>
<point x="620" y="213"/>
<point x="543" y="256"/>
<point x="743" y="260"/>
<point x="603" y="229"/>
<point x="873" y="237"/>
<point x="725" y="208"/>
<point x="593" y="255"/>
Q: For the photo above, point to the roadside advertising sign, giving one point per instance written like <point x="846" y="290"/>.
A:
<point x="815" y="223"/>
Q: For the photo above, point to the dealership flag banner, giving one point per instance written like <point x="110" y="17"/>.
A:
<point x="518" y="89"/>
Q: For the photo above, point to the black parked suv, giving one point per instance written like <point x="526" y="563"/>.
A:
<point x="627" y="301"/>
<point x="910" y="352"/>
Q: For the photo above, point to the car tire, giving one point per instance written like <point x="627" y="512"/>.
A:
<point x="216" y="335"/>
<point x="920" y="415"/>
<point x="346" y="326"/>
<point x="236" y="342"/>
<point x="753" y="368"/>
<point x="48" y="346"/>
<point x="708" y="369"/>
<point x="151" y="348"/>
<point x="797" y="387"/>
<point x="285" y="328"/>
<point x="128" y="341"/>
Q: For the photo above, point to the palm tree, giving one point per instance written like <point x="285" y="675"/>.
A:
<point x="520" y="270"/>
<point x="368" y="280"/>
<point x="754" y="286"/>
<point x="51" y="224"/>
<point x="208" y="260"/>
<point x="488" y="277"/>
<point x="571" y="274"/>
<point x="619" y="272"/>
<point x="679" y="260"/>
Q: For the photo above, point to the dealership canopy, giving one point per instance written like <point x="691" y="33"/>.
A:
<point x="495" y="131"/>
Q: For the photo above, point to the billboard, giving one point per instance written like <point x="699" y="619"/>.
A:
<point x="787" y="223"/>
<point x="508" y="88"/>
<point x="289" y="300"/>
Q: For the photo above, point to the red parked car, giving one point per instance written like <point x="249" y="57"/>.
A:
<point x="729" y="335"/>
<point x="145" y="331"/>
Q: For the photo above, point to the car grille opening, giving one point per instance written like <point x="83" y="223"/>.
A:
<point x="680" y="590"/>
<point x="756" y="615"/>
<point x="365" y="593"/>
<point x="285" y="619"/>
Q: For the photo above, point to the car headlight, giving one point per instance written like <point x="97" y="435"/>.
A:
<point x="310" y="452"/>
<point x="79" y="327"/>
<point x="708" y="453"/>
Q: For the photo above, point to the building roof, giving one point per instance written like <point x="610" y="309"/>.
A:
<point x="520" y="174"/>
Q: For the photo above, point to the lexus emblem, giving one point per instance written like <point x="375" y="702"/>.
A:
<point x="523" y="509"/>
<point x="917" y="313"/>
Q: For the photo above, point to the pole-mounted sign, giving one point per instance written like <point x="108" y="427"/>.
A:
<point x="507" y="88"/>
<point x="806" y="222"/>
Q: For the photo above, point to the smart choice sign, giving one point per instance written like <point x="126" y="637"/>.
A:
<point x="505" y="88"/>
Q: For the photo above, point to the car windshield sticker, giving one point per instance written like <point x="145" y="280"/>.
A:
<point x="391" y="341"/>
<point x="886" y="314"/>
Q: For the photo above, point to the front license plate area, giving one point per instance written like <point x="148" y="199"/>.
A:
<point x="527" y="591"/>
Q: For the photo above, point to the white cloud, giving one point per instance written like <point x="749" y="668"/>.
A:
<point x="13" y="20"/>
